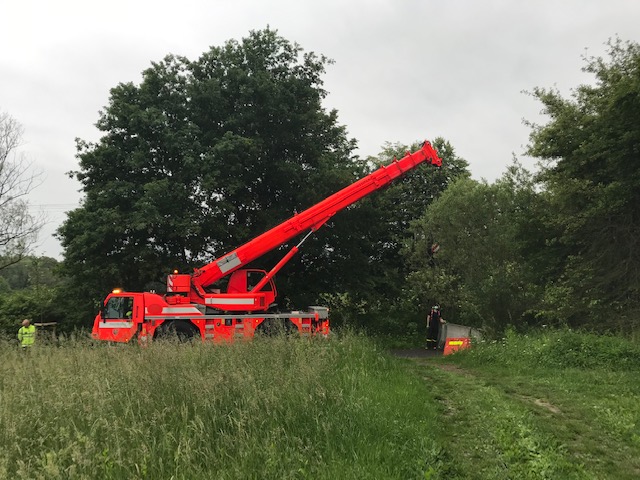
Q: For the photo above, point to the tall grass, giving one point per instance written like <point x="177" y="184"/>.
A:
<point x="558" y="349"/>
<point x="577" y="391"/>
<point x="266" y="409"/>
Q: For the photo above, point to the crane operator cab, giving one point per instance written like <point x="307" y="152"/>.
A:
<point x="115" y="320"/>
<point x="118" y="308"/>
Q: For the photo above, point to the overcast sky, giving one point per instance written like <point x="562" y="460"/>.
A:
<point x="405" y="70"/>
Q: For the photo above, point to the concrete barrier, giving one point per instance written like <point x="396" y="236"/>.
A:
<point x="454" y="330"/>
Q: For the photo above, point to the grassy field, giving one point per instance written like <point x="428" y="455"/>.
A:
<point x="550" y="405"/>
<point x="267" y="409"/>
<point x="528" y="407"/>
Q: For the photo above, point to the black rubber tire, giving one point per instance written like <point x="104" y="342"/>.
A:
<point x="272" y="327"/>
<point x="177" y="330"/>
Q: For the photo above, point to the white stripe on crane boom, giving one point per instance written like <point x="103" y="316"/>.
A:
<point x="227" y="263"/>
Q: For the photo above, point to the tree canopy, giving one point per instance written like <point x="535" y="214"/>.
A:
<point x="200" y="157"/>
<point x="557" y="248"/>
<point x="591" y="146"/>
<point x="480" y="274"/>
<point x="372" y="291"/>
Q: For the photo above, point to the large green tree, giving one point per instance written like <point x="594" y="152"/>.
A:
<point x="591" y="146"/>
<point x="200" y="157"/>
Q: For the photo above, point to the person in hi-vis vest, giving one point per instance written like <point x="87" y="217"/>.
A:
<point x="27" y="334"/>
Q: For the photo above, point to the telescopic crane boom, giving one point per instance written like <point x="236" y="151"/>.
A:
<point x="307" y="221"/>
<point x="312" y="218"/>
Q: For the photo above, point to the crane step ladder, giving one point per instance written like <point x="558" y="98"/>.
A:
<point x="209" y="329"/>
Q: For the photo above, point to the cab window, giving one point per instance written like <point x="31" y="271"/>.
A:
<point x="118" y="307"/>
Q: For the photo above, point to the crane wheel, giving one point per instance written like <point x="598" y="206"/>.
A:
<point x="179" y="330"/>
<point x="272" y="327"/>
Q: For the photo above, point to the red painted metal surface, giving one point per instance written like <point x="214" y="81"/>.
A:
<point x="242" y="309"/>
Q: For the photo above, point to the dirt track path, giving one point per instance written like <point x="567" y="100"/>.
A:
<point x="416" y="353"/>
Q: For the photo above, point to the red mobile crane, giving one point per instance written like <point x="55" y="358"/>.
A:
<point x="192" y="306"/>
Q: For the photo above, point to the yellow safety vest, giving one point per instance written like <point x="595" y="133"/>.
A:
<point x="27" y="335"/>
